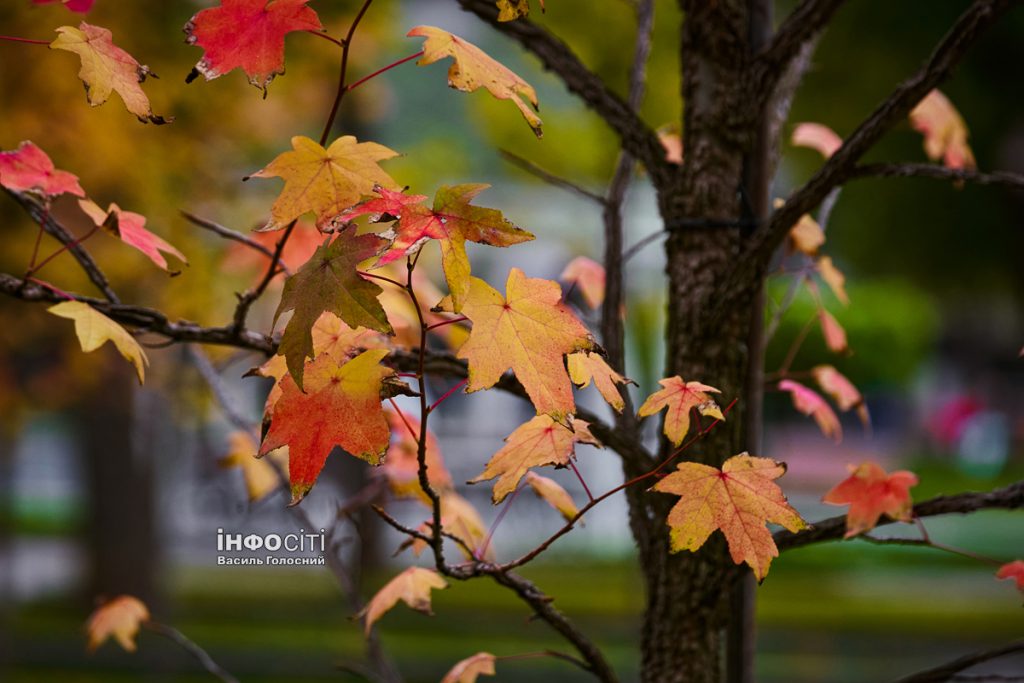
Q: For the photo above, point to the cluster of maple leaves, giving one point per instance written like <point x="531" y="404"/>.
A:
<point x="332" y="378"/>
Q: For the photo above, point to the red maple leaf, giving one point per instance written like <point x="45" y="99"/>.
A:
<point x="29" y="168"/>
<point x="871" y="492"/>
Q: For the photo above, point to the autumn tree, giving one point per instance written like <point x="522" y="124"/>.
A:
<point x="364" y="324"/>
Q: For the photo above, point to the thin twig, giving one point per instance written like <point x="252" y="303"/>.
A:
<point x="948" y="670"/>
<point x="956" y="175"/>
<point x="199" y="653"/>
<point x="233" y="235"/>
<point x="550" y="178"/>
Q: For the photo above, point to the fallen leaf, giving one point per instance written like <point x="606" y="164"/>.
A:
<point x="130" y="228"/>
<point x="453" y="221"/>
<point x="330" y="281"/>
<point x="247" y="35"/>
<point x="551" y="492"/>
<point x="341" y="407"/>
<point x="834" y="278"/>
<point x="467" y="671"/>
<point x="586" y="366"/>
<point x="944" y="130"/>
<point x="260" y="476"/>
<point x="870" y="493"/>
<point x="740" y="500"/>
<point x="29" y="169"/>
<point x="536" y="443"/>
<point x="810" y="403"/>
<point x="680" y="397"/>
<point x="818" y="137"/>
<point x="95" y="329"/>
<point x="120" y="618"/>
<point x="589" y="276"/>
<point x="1013" y="570"/>
<point x="473" y="68"/>
<point x="842" y="391"/>
<point x="107" y="68"/>
<point x="324" y="181"/>
<point x="529" y="332"/>
<point x="412" y="587"/>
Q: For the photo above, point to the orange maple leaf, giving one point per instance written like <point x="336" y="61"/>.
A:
<point x="589" y="276"/>
<point x="247" y="35"/>
<point x="473" y="68"/>
<point x="529" y="332"/>
<point x="107" y="68"/>
<point x="739" y="499"/>
<point x="130" y="228"/>
<point x="551" y="492"/>
<point x="842" y="391"/>
<point x="412" y="587"/>
<point x="870" y="493"/>
<point x="467" y="670"/>
<point x="944" y="130"/>
<point x="324" y="181"/>
<point x="834" y="278"/>
<point x="537" y="443"/>
<point x="680" y="397"/>
<point x="120" y="618"/>
<point x="29" y="168"/>
<point x="341" y="407"/>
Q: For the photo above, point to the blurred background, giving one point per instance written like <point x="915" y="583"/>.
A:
<point x="108" y="488"/>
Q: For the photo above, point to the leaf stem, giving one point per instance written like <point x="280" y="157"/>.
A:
<point x="396" y="283"/>
<point x="579" y="476"/>
<point x="446" y="394"/>
<point x="389" y="67"/>
<point x="30" y="41"/>
<point x="328" y="38"/>
<point x="460" y="319"/>
<point x="65" y="247"/>
<point x="405" y="420"/>
<point x="482" y="550"/>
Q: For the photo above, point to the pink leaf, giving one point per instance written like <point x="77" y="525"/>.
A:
<point x="818" y="137"/>
<point x="809" y="402"/>
<point x="29" y="168"/>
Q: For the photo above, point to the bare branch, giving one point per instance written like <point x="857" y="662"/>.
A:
<point x="1008" y="498"/>
<point x="637" y="138"/>
<point x="41" y="215"/>
<point x="965" y="32"/>
<point x="550" y="178"/>
<point x="199" y="653"/>
<point x="957" y="175"/>
<point x="950" y="670"/>
<point x="233" y="235"/>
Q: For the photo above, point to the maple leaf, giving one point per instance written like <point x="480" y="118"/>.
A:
<point x="119" y="618"/>
<point x="107" y="68"/>
<point x="1013" y="570"/>
<point x="453" y="221"/>
<point x="806" y="236"/>
<point x="260" y="476"/>
<point x="467" y="670"/>
<point x="834" y="278"/>
<point x="80" y="6"/>
<point x="551" y="492"/>
<point x="870" y="493"/>
<point x="842" y="391"/>
<point x="130" y="228"/>
<point x="589" y="276"/>
<point x="401" y="464"/>
<point x="324" y="181"/>
<point x="29" y="169"/>
<point x="342" y="408"/>
<point x="833" y="332"/>
<point x="529" y="332"/>
<point x="412" y="587"/>
<point x="95" y="329"/>
<point x="740" y="499"/>
<point x="473" y="68"/>
<point x="330" y="281"/>
<point x="810" y="403"/>
<point x="680" y="397"/>
<point x="247" y="35"/>
<point x="818" y="137"/>
<point x="585" y="367"/>
<point x="536" y="443"/>
<point x="944" y="130"/>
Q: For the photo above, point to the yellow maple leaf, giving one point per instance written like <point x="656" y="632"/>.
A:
<point x="411" y="587"/>
<point x="324" y="181"/>
<point x="680" y="397"/>
<point x="119" y="618"/>
<point x="586" y="366"/>
<point x="107" y="68"/>
<point x="739" y="499"/>
<point x="537" y="443"/>
<point x="551" y="492"/>
<point x="260" y="475"/>
<point x="473" y="69"/>
<point x="529" y="332"/>
<point x="95" y="329"/>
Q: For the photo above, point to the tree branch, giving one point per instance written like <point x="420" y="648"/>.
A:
<point x="754" y="260"/>
<point x="550" y="178"/>
<point x="233" y="235"/>
<point x="637" y="138"/>
<point x="1007" y="498"/>
<point x="41" y="215"/>
<point x="949" y="670"/>
<point x="957" y="175"/>
<point x="201" y="655"/>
